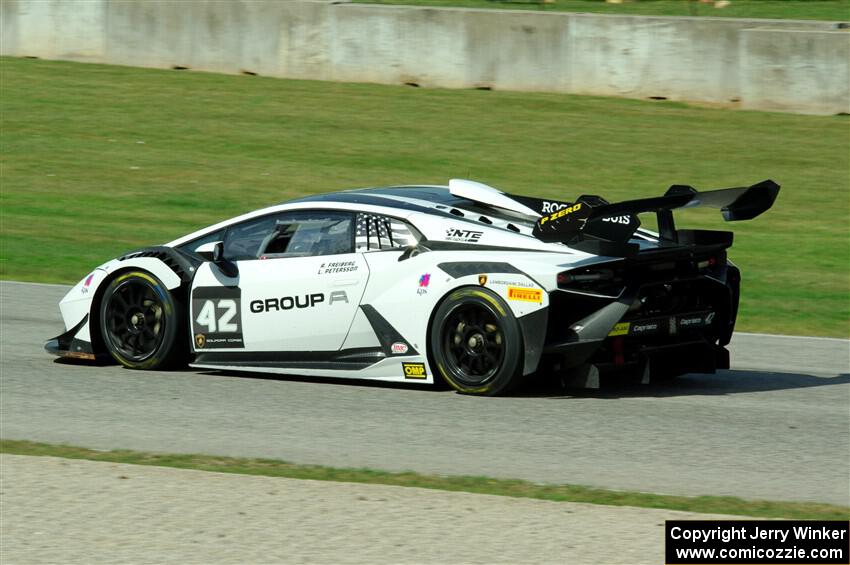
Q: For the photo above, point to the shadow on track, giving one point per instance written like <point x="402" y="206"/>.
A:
<point x="722" y="383"/>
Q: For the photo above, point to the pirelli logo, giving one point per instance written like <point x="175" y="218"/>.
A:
<point x="414" y="370"/>
<point x="620" y="329"/>
<point x="559" y="214"/>
<point x="525" y="294"/>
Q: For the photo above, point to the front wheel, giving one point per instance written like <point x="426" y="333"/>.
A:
<point x="476" y="343"/>
<point x="140" y="322"/>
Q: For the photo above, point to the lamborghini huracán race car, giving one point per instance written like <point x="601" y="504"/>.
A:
<point x="464" y="283"/>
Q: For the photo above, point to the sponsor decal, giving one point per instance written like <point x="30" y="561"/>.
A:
<point x="216" y="317"/>
<point x="424" y="281"/>
<point x="414" y="370"/>
<point x="86" y="284"/>
<point x="618" y="219"/>
<point x="620" y="329"/>
<point x="549" y="207"/>
<point x="559" y="214"/>
<point x="398" y="348"/>
<point x="513" y="283"/>
<point x="465" y="236"/>
<point x="338" y="267"/>
<point x="696" y="321"/>
<point x="297" y="301"/>
<point x="644" y="328"/>
<point x="673" y="329"/>
<point x="482" y="279"/>
<point x="525" y="294"/>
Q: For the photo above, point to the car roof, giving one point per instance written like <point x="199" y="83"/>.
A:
<point x="429" y="199"/>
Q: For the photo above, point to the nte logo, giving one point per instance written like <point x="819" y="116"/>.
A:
<point x="469" y="236"/>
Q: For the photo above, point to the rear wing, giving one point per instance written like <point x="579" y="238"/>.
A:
<point x="593" y="223"/>
<point x="595" y="217"/>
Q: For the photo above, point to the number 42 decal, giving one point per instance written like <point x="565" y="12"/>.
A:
<point x="218" y="315"/>
<point x="216" y="320"/>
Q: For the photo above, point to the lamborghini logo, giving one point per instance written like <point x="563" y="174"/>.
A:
<point x="482" y="279"/>
<point x="200" y="341"/>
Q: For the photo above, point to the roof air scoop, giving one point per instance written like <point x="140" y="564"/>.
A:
<point x="483" y="194"/>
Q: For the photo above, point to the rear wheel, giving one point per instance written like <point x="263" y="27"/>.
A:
<point x="140" y="321"/>
<point x="476" y="343"/>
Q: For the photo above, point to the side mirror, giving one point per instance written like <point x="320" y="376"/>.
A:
<point x="218" y="252"/>
<point x="209" y="251"/>
<point x="214" y="251"/>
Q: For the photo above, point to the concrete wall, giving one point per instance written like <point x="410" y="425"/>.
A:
<point x="796" y="71"/>
<point x="781" y="65"/>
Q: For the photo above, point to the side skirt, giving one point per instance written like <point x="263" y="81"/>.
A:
<point x="344" y="360"/>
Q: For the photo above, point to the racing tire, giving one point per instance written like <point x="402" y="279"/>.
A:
<point x="476" y="343"/>
<point x="140" y="322"/>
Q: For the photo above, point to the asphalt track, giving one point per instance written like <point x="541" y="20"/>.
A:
<point x="776" y="427"/>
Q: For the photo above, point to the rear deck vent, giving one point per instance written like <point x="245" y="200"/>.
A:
<point x="485" y="220"/>
<point x="512" y="228"/>
<point x="456" y="212"/>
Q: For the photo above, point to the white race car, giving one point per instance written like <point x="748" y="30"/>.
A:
<point x="464" y="283"/>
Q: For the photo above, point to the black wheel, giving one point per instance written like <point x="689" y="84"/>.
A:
<point x="140" y="322"/>
<point x="476" y="343"/>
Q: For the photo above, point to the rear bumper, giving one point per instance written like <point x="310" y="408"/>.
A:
<point x="652" y="329"/>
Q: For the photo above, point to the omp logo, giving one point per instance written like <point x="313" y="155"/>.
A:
<point x="414" y="370"/>
<point x="525" y="294"/>
<point x="560" y="213"/>
<point x="549" y="207"/>
<point x="618" y="219"/>
<point x="302" y="301"/>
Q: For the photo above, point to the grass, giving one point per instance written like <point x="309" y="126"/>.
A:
<point x="478" y="485"/>
<point x="777" y="9"/>
<point x="96" y="160"/>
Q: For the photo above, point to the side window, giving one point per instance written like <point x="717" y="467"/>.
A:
<point x="291" y="234"/>
<point x="382" y="232"/>
<point x="243" y="241"/>
<point x="191" y="246"/>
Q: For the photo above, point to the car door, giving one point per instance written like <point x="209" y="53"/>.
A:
<point x="297" y="285"/>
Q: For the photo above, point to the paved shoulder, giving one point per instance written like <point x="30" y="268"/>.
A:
<point x="183" y="516"/>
